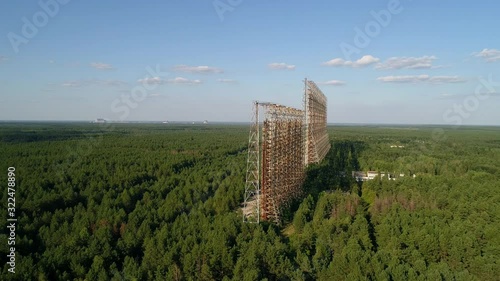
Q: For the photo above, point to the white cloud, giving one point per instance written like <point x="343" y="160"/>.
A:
<point x="197" y="69"/>
<point x="51" y="61"/>
<point x="72" y="84"/>
<point x="116" y="83"/>
<point x="101" y="66"/>
<point x="281" y="66"/>
<point x="447" y="96"/>
<point x="151" y="80"/>
<point x="407" y="63"/>
<point x="446" y="79"/>
<point x="82" y="83"/>
<point x="227" y="81"/>
<point x="490" y="55"/>
<point x="176" y="80"/>
<point x="421" y="79"/>
<point x="182" y="80"/>
<point x="362" y="62"/>
<point x="440" y="66"/>
<point x="333" y="83"/>
<point x="366" y="60"/>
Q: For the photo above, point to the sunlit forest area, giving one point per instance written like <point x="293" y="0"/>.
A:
<point x="162" y="202"/>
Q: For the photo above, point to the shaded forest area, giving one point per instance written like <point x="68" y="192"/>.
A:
<point x="162" y="202"/>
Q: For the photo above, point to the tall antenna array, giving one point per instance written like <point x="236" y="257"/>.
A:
<point x="315" y="105"/>
<point x="278" y="152"/>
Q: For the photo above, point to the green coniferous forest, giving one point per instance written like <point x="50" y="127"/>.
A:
<point x="162" y="202"/>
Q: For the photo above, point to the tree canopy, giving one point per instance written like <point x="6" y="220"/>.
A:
<point x="162" y="202"/>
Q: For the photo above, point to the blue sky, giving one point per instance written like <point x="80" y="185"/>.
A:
<point x="417" y="62"/>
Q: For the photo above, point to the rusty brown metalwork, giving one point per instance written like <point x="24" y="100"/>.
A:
<point x="282" y="160"/>
<point x="317" y="143"/>
<point x="278" y="153"/>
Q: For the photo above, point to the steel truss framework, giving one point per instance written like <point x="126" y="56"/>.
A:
<point x="282" y="160"/>
<point x="278" y="152"/>
<point x="316" y="143"/>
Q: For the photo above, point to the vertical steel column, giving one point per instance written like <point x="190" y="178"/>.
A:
<point x="251" y="208"/>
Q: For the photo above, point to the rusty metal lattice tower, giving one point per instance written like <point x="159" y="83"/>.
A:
<point x="289" y="140"/>
<point x="316" y="136"/>
<point x="251" y="203"/>
<point x="282" y="159"/>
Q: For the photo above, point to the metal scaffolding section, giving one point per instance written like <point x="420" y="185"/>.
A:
<point x="251" y="203"/>
<point x="279" y="151"/>
<point x="282" y="160"/>
<point x="316" y="136"/>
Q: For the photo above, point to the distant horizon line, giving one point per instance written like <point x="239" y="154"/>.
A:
<point x="201" y="122"/>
